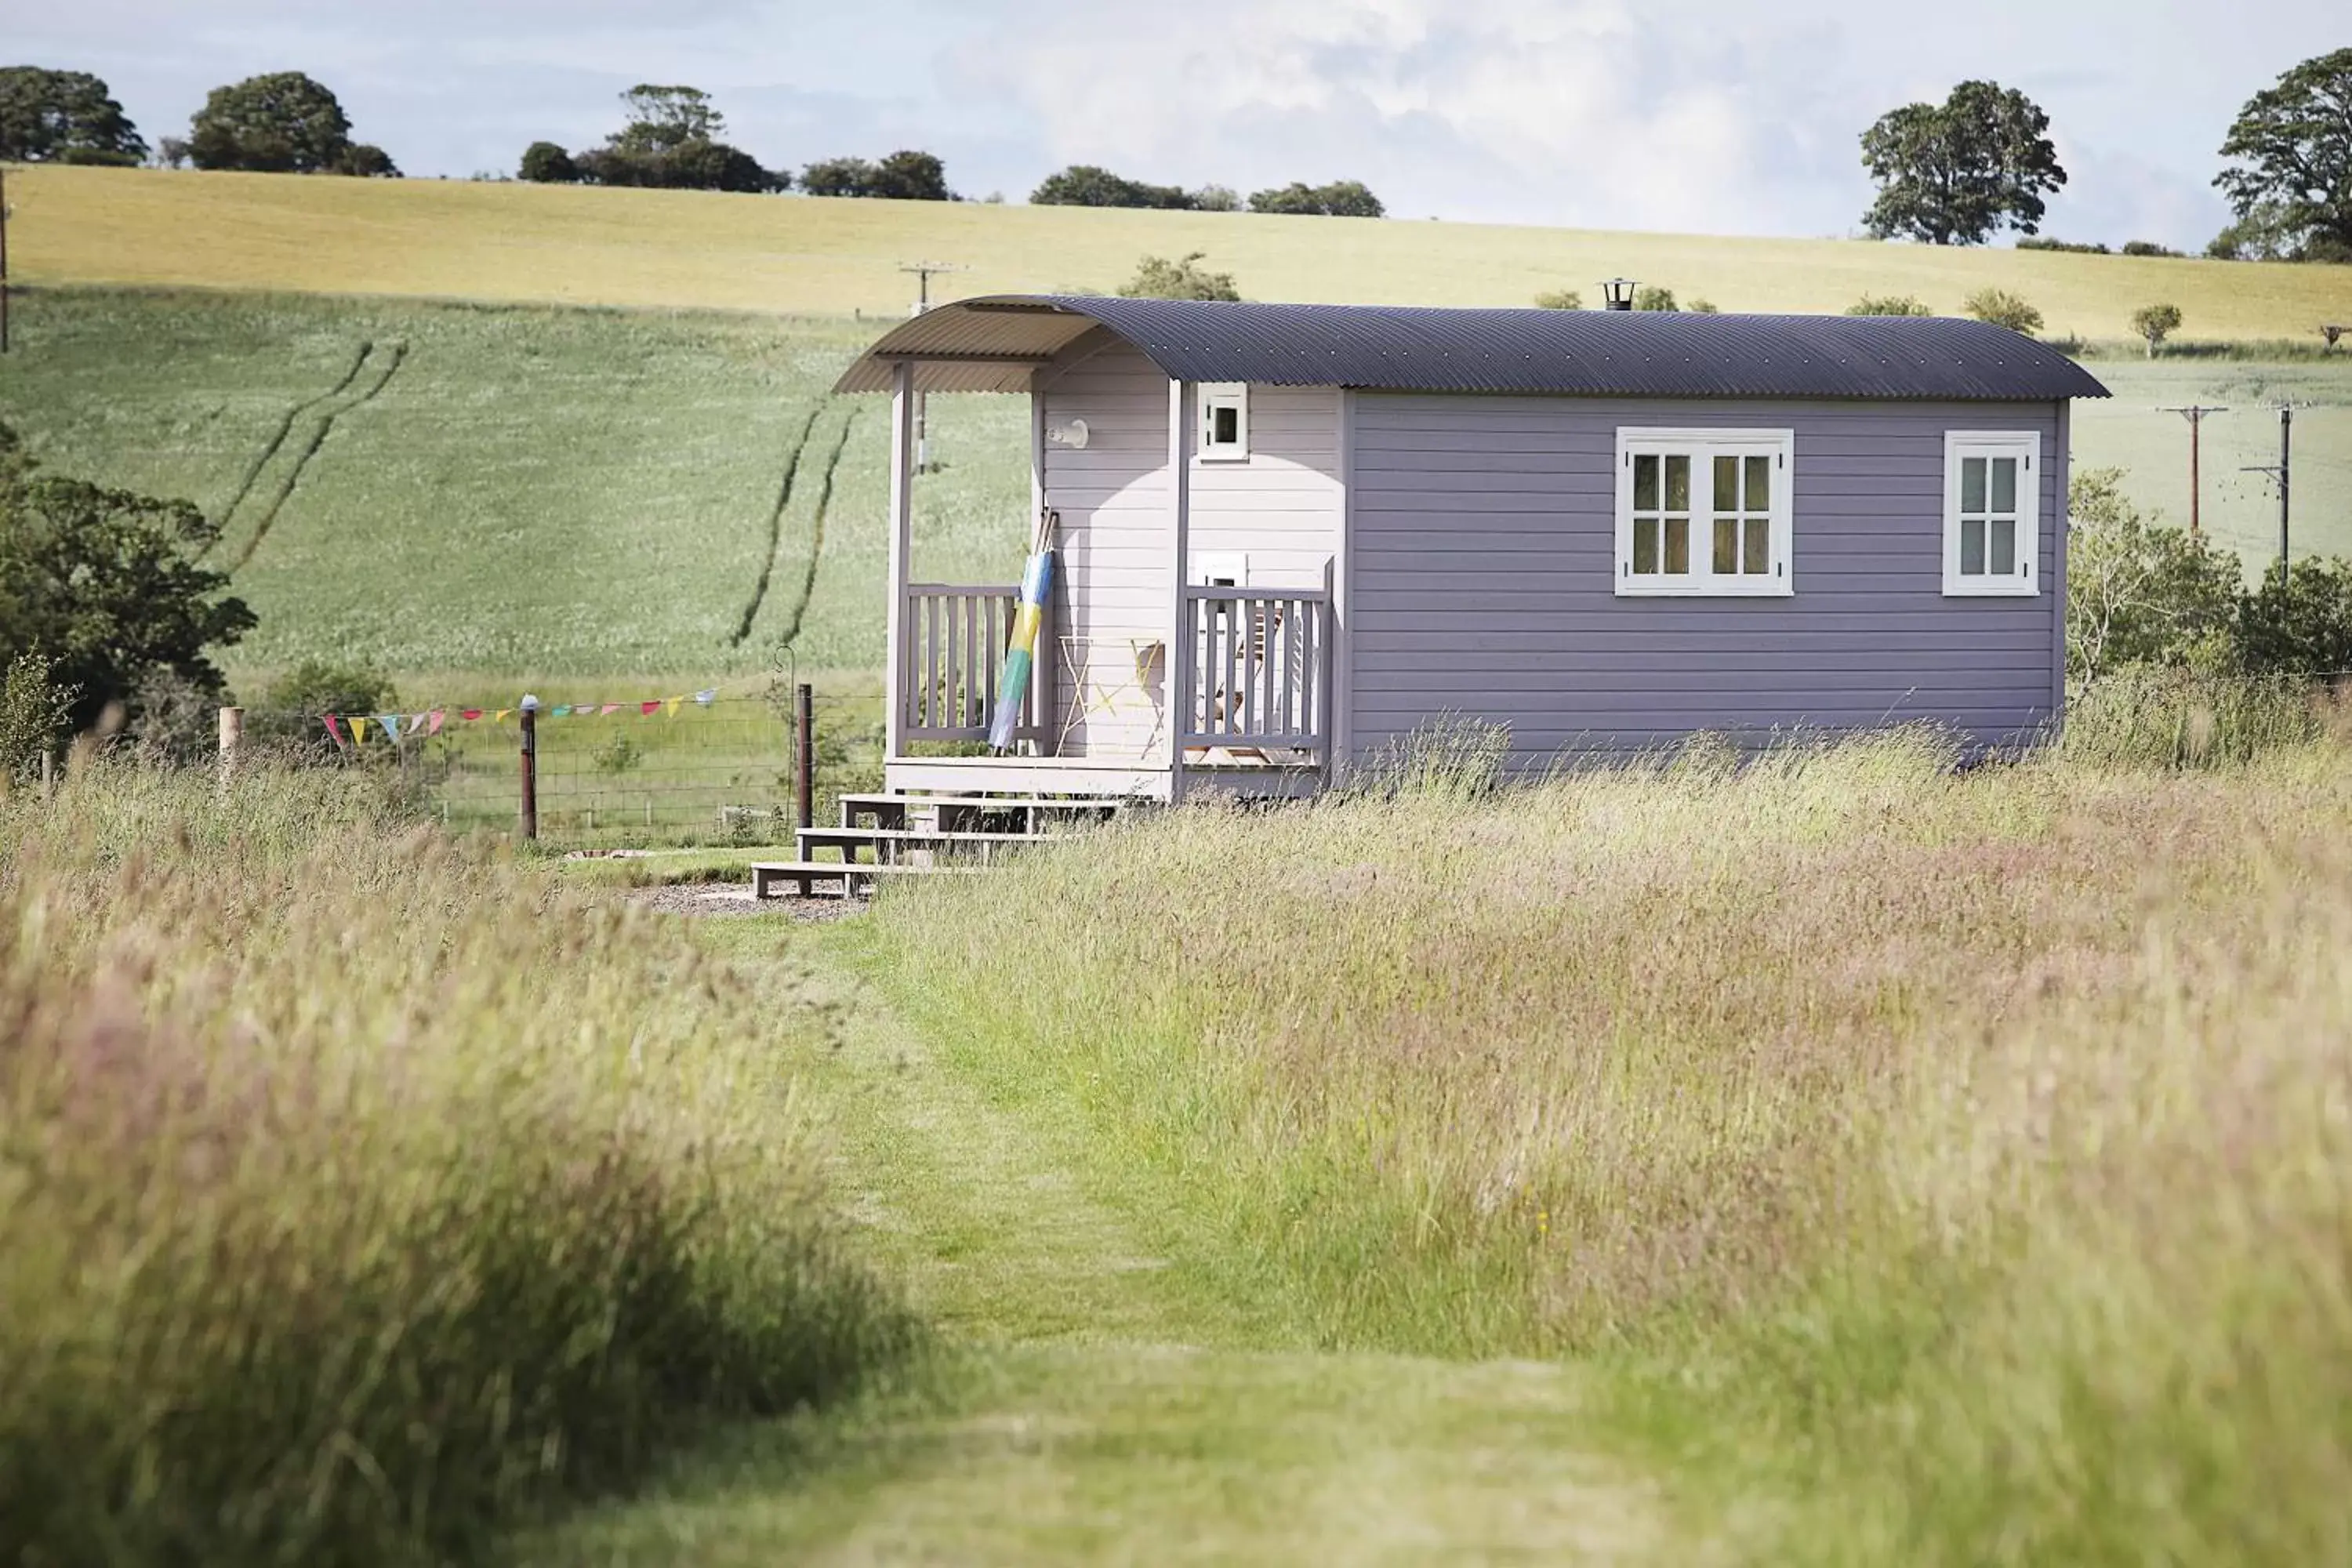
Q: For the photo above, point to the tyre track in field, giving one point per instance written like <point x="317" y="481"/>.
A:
<point x="326" y="426"/>
<point x="816" y="530"/>
<point x="285" y="428"/>
<point x="776" y="528"/>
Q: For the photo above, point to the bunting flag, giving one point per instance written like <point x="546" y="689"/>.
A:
<point x="502" y="716"/>
<point x="336" y="731"/>
<point x="390" y="722"/>
<point x="416" y="726"/>
<point x="358" y="729"/>
<point x="469" y="714"/>
<point x="673" y="706"/>
<point x="705" y="699"/>
<point x="608" y="707"/>
<point x="435" y="728"/>
<point x="563" y="712"/>
<point x="645" y="709"/>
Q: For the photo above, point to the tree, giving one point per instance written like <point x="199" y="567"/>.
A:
<point x="1888" y="305"/>
<point x="36" y="713"/>
<point x="66" y="117"/>
<point x="1157" y="278"/>
<point x="364" y="160"/>
<point x="172" y="151"/>
<point x="545" y="164"/>
<point x="662" y="118"/>
<point x="1655" y="297"/>
<point x="2293" y="146"/>
<point x="1957" y="172"/>
<point x="107" y="586"/>
<point x="290" y="714"/>
<point x="2155" y="323"/>
<point x="907" y="176"/>
<point x="1216" y="199"/>
<point x="2139" y="593"/>
<point x="2003" y="309"/>
<point x="1091" y="185"/>
<point x="281" y="123"/>
<point x="1559" y="300"/>
<point x="1341" y="198"/>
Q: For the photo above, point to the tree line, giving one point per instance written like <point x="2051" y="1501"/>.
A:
<point x="1955" y="172"/>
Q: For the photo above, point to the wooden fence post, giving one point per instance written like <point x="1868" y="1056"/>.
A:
<point x="804" y="753"/>
<point x="232" y="737"/>
<point x="530" y="768"/>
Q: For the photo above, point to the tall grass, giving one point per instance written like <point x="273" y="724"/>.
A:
<point x="1969" y="1150"/>
<point x="358" y="1189"/>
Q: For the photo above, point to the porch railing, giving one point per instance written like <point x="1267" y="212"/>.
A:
<point x="953" y="654"/>
<point x="1261" y="668"/>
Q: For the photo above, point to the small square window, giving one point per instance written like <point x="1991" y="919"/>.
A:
<point x="1224" y="421"/>
<point x="1990" y="524"/>
<point x="1702" y="512"/>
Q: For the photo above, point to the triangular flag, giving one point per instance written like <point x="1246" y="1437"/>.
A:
<point x="673" y="706"/>
<point x="335" y="729"/>
<point x="502" y="716"/>
<point x="359" y="730"/>
<point x="608" y="707"/>
<point x="561" y="710"/>
<point x="390" y="722"/>
<point x="645" y="709"/>
<point x="706" y="698"/>
<point x="469" y="714"/>
<point x="437" y="715"/>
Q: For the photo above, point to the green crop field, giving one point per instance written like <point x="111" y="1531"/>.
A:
<point x="530" y="493"/>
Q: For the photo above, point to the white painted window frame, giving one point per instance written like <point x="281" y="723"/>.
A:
<point x="1216" y="395"/>
<point x="2022" y="444"/>
<point x="1213" y="566"/>
<point x="1702" y="445"/>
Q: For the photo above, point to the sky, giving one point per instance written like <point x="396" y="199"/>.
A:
<point x="1696" y="116"/>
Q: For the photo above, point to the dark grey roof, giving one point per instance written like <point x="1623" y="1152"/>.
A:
<point x="993" y="344"/>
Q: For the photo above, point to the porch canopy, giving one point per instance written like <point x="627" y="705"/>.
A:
<point x="997" y="343"/>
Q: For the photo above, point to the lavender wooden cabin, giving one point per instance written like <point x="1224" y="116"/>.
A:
<point x="1289" y="535"/>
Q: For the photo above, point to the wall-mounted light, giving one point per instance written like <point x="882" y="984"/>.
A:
<point x="1617" y="293"/>
<point x="1070" y="433"/>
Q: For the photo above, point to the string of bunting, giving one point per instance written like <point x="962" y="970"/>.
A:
<point x="353" y="729"/>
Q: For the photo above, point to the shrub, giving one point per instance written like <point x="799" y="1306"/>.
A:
<point x="367" y="1188"/>
<point x="1559" y="300"/>
<point x="545" y="164"/>
<point x="2139" y="594"/>
<point x="32" y="717"/>
<point x="2155" y="323"/>
<point x="1216" y="199"/>
<point x="291" y="713"/>
<point x="2147" y="247"/>
<point x="2299" y="621"/>
<point x="2044" y="242"/>
<point x="1702" y="308"/>
<point x="2003" y="309"/>
<point x="1157" y="278"/>
<point x="1655" y="297"/>
<point x="1888" y="305"/>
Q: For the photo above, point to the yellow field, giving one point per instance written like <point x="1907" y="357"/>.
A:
<point x="578" y="246"/>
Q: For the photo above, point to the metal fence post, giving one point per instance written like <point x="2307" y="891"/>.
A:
<point x="530" y="768"/>
<point x="804" y="753"/>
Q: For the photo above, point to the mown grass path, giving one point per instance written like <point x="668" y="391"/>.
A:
<point x="1090" y="1406"/>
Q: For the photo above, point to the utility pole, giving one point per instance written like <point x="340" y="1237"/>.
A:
<point x="2195" y="414"/>
<point x="2282" y="470"/>
<point x="923" y="271"/>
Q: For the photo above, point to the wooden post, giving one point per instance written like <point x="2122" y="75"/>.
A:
<point x="232" y="737"/>
<point x="804" y="754"/>
<point x="902" y="456"/>
<point x="530" y="768"/>
<point x="49" y="775"/>
<point x="1179" y="527"/>
<point x="4" y="261"/>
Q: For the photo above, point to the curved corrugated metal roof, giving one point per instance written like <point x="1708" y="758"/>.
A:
<point x="993" y="344"/>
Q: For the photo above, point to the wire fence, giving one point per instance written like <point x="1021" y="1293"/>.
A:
<point x="680" y="770"/>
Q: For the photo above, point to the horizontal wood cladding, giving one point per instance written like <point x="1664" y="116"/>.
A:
<point x="1483" y="580"/>
<point x="1284" y="507"/>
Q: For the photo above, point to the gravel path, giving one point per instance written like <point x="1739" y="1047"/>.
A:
<point x="735" y="898"/>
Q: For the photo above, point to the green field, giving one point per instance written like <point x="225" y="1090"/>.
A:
<point x="476" y="496"/>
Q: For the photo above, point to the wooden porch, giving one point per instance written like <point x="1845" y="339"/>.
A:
<point x="1220" y="688"/>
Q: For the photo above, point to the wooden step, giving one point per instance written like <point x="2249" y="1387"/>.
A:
<point x="803" y="875"/>
<point x="848" y="840"/>
<point x="892" y="810"/>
